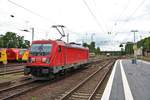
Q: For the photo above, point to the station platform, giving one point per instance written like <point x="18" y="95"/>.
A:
<point x="128" y="81"/>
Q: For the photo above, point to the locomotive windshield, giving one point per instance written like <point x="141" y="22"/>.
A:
<point x="40" y="49"/>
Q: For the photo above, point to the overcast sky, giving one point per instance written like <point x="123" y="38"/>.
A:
<point x="82" y="18"/>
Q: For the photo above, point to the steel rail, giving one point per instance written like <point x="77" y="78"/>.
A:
<point x="64" y="97"/>
<point x="15" y="86"/>
<point x="4" y="93"/>
<point x="99" y="84"/>
<point x="11" y="72"/>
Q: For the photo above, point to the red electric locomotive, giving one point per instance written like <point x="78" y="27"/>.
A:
<point x="48" y="57"/>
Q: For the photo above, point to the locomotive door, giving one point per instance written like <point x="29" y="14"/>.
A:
<point x="63" y="55"/>
<point x="60" y="51"/>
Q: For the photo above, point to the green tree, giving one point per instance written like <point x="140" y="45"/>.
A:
<point x="1" y="41"/>
<point x="97" y="51"/>
<point x="92" y="47"/>
<point x="146" y="44"/>
<point x="129" y="48"/>
<point x="11" y="40"/>
<point x="85" y="45"/>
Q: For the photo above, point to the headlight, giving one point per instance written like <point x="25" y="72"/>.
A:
<point x="32" y="59"/>
<point x="43" y="59"/>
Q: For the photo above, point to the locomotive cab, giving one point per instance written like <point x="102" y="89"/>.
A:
<point x="39" y="59"/>
<point x="40" y="53"/>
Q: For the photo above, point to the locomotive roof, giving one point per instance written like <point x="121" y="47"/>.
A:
<point x="60" y="42"/>
<point x="49" y="41"/>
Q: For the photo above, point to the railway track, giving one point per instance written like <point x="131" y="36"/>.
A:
<point x="11" y="68"/>
<point x="88" y="88"/>
<point x="14" y="91"/>
<point x="10" y="92"/>
<point x="11" y="72"/>
<point x="98" y="91"/>
<point x="11" y="64"/>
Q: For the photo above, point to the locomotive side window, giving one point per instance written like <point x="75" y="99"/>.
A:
<point x="40" y="49"/>
<point x="59" y="49"/>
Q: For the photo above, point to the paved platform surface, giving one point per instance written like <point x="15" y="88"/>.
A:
<point x="128" y="81"/>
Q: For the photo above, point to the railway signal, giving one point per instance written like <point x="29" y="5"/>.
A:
<point x="109" y="32"/>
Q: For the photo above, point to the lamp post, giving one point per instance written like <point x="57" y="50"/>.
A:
<point x="67" y="37"/>
<point x="134" y="31"/>
<point x="92" y="37"/>
<point x="32" y="29"/>
<point x="32" y="33"/>
<point x="134" y="47"/>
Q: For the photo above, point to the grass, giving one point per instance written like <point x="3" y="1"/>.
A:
<point x="147" y="58"/>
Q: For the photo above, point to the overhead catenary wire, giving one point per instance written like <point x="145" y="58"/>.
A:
<point x="130" y="16"/>
<point x="34" y="13"/>
<point x="140" y="16"/>
<point x="137" y="8"/>
<point x="121" y="14"/>
<point x="93" y="15"/>
<point x="30" y="11"/>
<point x="105" y="24"/>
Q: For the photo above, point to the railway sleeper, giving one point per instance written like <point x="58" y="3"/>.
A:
<point x="84" y="94"/>
<point x="80" y="96"/>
